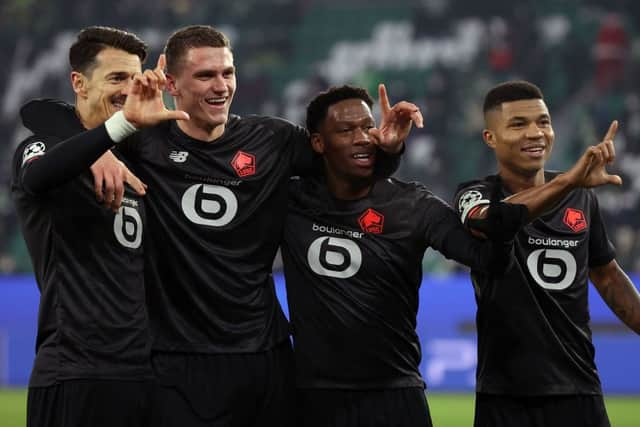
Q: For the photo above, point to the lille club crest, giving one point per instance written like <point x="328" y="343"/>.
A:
<point x="371" y="221"/>
<point x="575" y="220"/>
<point x="244" y="164"/>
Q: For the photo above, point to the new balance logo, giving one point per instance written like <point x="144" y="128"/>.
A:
<point x="178" y="156"/>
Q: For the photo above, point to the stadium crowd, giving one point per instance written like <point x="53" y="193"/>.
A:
<point x="582" y="53"/>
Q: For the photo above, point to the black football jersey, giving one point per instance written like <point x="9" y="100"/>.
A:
<point x="215" y="214"/>
<point x="353" y="270"/>
<point x="88" y="263"/>
<point x="533" y="322"/>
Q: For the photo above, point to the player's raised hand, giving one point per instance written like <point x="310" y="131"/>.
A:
<point x="144" y="105"/>
<point x="395" y="123"/>
<point x="590" y="170"/>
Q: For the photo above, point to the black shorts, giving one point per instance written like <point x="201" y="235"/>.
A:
<point x="540" y="411"/>
<point x="221" y="390"/>
<point x="398" y="407"/>
<point x="96" y="403"/>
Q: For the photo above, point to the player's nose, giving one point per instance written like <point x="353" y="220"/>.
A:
<point x="533" y="131"/>
<point x="361" y="136"/>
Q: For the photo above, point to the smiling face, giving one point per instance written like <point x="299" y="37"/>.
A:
<point x="521" y="135"/>
<point x="344" y="141"/>
<point x="203" y="86"/>
<point x="101" y="90"/>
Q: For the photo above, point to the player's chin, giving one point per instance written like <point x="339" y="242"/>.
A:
<point x="362" y="173"/>
<point x="218" y="119"/>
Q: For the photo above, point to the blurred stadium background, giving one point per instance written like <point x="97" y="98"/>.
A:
<point x="441" y="54"/>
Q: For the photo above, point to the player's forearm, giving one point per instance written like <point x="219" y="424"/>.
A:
<point x="619" y="293"/>
<point x="455" y="242"/>
<point x="66" y="160"/>
<point x="541" y="198"/>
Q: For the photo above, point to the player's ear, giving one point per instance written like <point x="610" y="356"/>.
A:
<point x="79" y="83"/>
<point x="317" y="143"/>
<point x="171" y="85"/>
<point x="489" y="138"/>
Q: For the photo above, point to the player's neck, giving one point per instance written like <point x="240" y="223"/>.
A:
<point x="88" y="120"/>
<point x="201" y="132"/>
<point x="348" y="189"/>
<point x="518" y="181"/>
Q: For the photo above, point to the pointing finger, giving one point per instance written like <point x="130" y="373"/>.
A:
<point x="611" y="133"/>
<point x="384" y="99"/>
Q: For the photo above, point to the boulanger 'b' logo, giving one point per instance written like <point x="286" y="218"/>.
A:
<point x="553" y="269"/>
<point x="210" y="205"/>
<point x="127" y="226"/>
<point x="575" y="220"/>
<point x="371" y="221"/>
<point x="244" y="163"/>
<point x="334" y="257"/>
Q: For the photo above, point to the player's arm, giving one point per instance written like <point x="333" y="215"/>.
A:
<point x="445" y="233"/>
<point x="143" y="107"/>
<point x="589" y="171"/>
<point x="44" y="169"/>
<point x="618" y="292"/>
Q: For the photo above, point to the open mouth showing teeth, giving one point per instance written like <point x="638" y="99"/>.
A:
<point x="534" y="150"/>
<point x="118" y="103"/>
<point x="215" y="101"/>
<point x="361" y="156"/>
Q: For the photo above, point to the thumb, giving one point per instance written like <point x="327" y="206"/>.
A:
<point x="614" y="179"/>
<point x="174" y="115"/>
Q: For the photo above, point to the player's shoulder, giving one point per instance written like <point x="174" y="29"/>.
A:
<point x="50" y="117"/>
<point x="274" y="124"/>
<point x="50" y="121"/>
<point x="400" y="186"/>
<point x="406" y="192"/>
<point x="479" y="184"/>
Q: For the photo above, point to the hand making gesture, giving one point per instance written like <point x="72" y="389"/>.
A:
<point x="590" y="170"/>
<point x="144" y="105"/>
<point x="395" y="123"/>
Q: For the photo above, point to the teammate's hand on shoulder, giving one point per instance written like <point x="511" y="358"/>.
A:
<point x="109" y="177"/>
<point x="144" y="105"/>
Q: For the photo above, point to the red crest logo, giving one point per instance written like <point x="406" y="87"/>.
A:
<point x="575" y="220"/>
<point x="244" y="164"/>
<point x="371" y="221"/>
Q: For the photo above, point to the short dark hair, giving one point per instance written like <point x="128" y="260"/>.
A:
<point x="515" y="90"/>
<point x="93" y="40"/>
<point x="319" y="106"/>
<point x="191" y="37"/>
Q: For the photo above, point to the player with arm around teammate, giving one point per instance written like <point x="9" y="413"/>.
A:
<point x="352" y="251"/>
<point x="535" y="355"/>
<point x="93" y="346"/>
<point x="215" y="211"/>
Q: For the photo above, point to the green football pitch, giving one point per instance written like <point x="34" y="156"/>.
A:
<point x="447" y="410"/>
